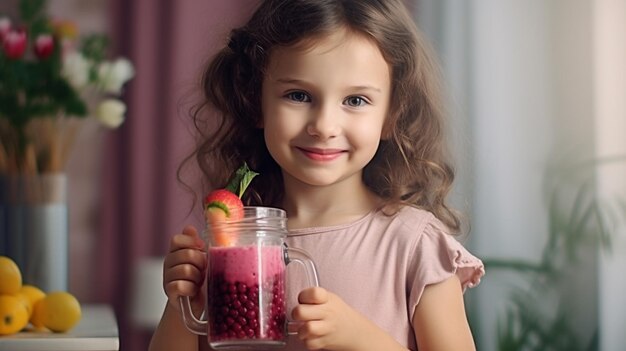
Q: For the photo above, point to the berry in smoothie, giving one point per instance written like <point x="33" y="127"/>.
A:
<point x="246" y="293"/>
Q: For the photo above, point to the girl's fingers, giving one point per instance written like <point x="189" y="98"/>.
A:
<point x="304" y="313"/>
<point x="193" y="257"/>
<point x="190" y="230"/>
<point x="312" y="330"/>
<point x="188" y="239"/>
<point x="185" y="272"/>
<point x="193" y="232"/>
<point x="313" y="295"/>
<point x="310" y="304"/>
<point x="184" y="266"/>
<point x="177" y="288"/>
<point x="183" y="280"/>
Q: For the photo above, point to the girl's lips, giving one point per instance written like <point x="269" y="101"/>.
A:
<point x="321" y="154"/>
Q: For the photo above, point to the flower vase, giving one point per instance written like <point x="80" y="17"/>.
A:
<point x="34" y="227"/>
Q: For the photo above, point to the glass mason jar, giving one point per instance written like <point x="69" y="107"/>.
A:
<point x="246" y="307"/>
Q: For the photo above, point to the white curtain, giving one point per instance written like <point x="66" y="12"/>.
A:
<point x="609" y="73"/>
<point x="537" y="91"/>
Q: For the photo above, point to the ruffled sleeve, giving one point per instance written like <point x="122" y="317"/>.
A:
<point x="437" y="256"/>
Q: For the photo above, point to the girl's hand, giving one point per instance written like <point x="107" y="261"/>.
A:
<point x="328" y="322"/>
<point x="184" y="269"/>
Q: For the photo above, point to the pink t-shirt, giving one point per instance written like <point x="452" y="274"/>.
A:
<point x="380" y="265"/>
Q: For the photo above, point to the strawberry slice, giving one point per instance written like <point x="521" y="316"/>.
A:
<point x="225" y="204"/>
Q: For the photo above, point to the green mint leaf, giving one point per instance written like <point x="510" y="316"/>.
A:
<point x="240" y="180"/>
<point x="245" y="181"/>
<point x="235" y="179"/>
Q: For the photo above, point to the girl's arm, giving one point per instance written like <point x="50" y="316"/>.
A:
<point x="329" y="323"/>
<point x="171" y="334"/>
<point x="439" y="320"/>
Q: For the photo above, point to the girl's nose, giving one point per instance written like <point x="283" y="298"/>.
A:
<point x="324" y="122"/>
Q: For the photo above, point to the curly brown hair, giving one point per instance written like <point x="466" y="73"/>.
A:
<point x="410" y="166"/>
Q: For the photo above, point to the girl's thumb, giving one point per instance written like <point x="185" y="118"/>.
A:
<point x="190" y="230"/>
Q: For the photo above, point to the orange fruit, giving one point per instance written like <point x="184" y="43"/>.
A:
<point x="58" y="311"/>
<point x="30" y="295"/>
<point x="13" y="315"/>
<point x="24" y="301"/>
<point x="10" y="276"/>
<point x="37" y="315"/>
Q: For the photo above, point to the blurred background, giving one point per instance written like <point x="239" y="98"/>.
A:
<point x="537" y="92"/>
<point x="537" y="100"/>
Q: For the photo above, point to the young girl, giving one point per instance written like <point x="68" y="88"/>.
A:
<point x="335" y="104"/>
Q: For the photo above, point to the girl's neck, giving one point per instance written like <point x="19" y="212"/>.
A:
<point x="321" y="206"/>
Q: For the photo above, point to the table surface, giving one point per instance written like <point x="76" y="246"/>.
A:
<point x="96" y="331"/>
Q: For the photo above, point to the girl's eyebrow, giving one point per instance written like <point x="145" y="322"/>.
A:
<point x="291" y="81"/>
<point x="367" y="87"/>
<point x="302" y="82"/>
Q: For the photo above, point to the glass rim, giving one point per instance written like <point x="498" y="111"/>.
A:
<point x="263" y="212"/>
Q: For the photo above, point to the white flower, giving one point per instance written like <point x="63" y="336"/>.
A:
<point x="75" y="69"/>
<point x="5" y="26"/>
<point x="110" y="112"/>
<point x="112" y="76"/>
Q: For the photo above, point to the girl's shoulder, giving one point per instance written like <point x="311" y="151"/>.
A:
<point x="436" y="253"/>
<point x="433" y="250"/>
<point x="410" y="221"/>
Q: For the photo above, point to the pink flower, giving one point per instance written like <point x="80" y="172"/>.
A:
<point x="44" y="45"/>
<point x="14" y="44"/>
<point x="5" y="27"/>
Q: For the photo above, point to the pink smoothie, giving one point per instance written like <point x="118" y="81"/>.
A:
<point x="246" y="293"/>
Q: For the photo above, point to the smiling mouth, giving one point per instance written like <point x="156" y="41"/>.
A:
<point x="321" y="154"/>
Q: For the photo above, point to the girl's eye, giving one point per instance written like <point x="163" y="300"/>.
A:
<point x="355" y="101"/>
<point x="299" y="96"/>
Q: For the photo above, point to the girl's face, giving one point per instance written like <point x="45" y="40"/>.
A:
<point x="324" y="107"/>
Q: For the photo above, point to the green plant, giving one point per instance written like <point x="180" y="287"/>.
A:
<point x="539" y="317"/>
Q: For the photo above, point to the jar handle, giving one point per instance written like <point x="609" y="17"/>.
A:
<point x="193" y="324"/>
<point x="300" y="256"/>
